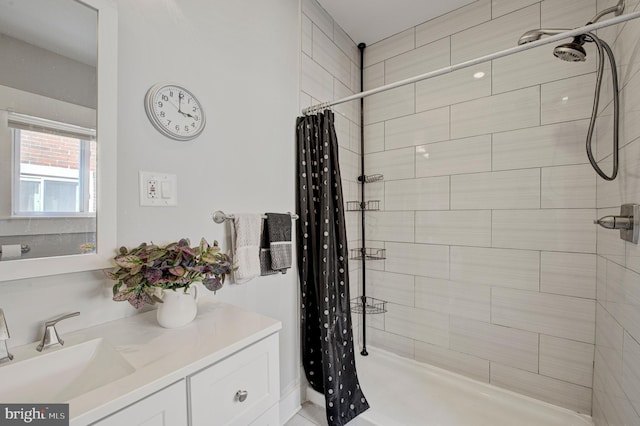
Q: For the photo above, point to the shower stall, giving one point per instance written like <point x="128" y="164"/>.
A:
<point x="479" y="208"/>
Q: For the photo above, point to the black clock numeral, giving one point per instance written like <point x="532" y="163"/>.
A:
<point x="186" y="128"/>
<point x="195" y="117"/>
<point x="193" y="124"/>
<point x="171" y="93"/>
<point x="160" y="104"/>
<point x="162" y="114"/>
<point x="165" y="98"/>
<point x="177" y="128"/>
<point x="168" y="123"/>
<point x="195" y="109"/>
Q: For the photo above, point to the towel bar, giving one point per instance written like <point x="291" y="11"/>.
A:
<point x="219" y="216"/>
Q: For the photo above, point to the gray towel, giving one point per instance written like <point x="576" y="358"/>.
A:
<point x="265" y="252"/>
<point x="279" y="230"/>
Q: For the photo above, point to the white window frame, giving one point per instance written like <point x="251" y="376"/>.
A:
<point x="18" y="122"/>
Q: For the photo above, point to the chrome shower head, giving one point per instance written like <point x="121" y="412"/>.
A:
<point x="571" y="52"/>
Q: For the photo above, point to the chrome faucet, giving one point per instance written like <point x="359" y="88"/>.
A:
<point x="51" y="336"/>
<point x="5" y="355"/>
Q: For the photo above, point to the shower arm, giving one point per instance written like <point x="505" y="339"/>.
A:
<point x="617" y="10"/>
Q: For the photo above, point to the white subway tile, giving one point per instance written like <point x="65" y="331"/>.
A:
<point x="417" y="194"/>
<point x="355" y="78"/>
<point x="427" y="58"/>
<point x="333" y="59"/>
<point x="464" y="227"/>
<point x="390" y="104"/>
<point x="568" y="395"/>
<point x="601" y="278"/>
<point x="344" y="42"/>
<point x="518" y="189"/>
<point x="502" y="7"/>
<point x="566" y="13"/>
<point x="390" y="226"/>
<point x="631" y="370"/>
<point x="623" y="298"/>
<point x="494" y="35"/>
<point x="306" y="43"/>
<point x="629" y="126"/>
<point x="536" y="66"/>
<point x="400" y="345"/>
<point x="315" y="80"/>
<point x="354" y="136"/>
<point x="560" y="316"/>
<point x="568" y="187"/>
<point x="460" y="19"/>
<point x="417" y="324"/>
<point x="389" y="47"/>
<point x="350" y="110"/>
<point x="553" y="230"/>
<point x="374" y="76"/>
<point x="453" y="88"/>
<point x="632" y="256"/>
<point x="375" y="192"/>
<point x="395" y="164"/>
<point x="496" y="113"/>
<point x="467" y="365"/>
<point x="505" y="345"/>
<point x="418" y="259"/>
<point x="374" y="138"/>
<point x="470" y="301"/>
<point x="553" y="145"/>
<point x="496" y="267"/>
<point x="393" y="288"/>
<point x="567" y="100"/>
<point x="609" y="334"/>
<point x="458" y="156"/>
<point x="349" y="164"/>
<point x="566" y="360"/>
<point x="318" y="16"/>
<point x="570" y="274"/>
<point x="417" y="129"/>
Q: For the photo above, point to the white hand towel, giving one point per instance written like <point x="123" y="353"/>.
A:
<point x="246" y="256"/>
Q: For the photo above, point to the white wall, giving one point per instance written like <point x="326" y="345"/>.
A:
<point x="241" y="60"/>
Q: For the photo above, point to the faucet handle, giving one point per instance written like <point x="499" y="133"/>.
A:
<point x="51" y="336"/>
<point x="4" y="336"/>
<point x="57" y="320"/>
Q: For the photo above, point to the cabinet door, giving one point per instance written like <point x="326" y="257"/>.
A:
<point x="167" y="407"/>
<point x="239" y="389"/>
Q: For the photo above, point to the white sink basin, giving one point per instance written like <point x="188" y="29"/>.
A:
<point x="62" y="374"/>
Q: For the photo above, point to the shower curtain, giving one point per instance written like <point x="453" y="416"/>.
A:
<point x="327" y="339"/>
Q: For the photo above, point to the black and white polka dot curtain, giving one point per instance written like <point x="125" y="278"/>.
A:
<point x="328" y="356"/>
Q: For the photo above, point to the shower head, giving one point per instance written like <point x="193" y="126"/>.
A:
<point x="571" y="52"/>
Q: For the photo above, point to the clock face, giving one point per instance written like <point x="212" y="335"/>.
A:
<point x="174" y="111"/>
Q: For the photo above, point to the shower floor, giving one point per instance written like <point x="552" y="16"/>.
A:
<point x="404" y="392"/>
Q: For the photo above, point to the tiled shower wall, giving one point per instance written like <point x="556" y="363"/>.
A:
<point x="330" y="69"/>
<point x="487" y="203"/>
<point x="616" y="385"/>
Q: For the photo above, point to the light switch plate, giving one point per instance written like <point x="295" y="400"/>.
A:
<point x="158" y="189"/>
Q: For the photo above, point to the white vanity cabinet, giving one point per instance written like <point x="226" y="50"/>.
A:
<point x="167" y="407"/>
<point x="238" y="390"/>
<point x="242" y="389"/>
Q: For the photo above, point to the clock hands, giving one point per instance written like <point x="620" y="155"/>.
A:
<point x="186" y="114"/>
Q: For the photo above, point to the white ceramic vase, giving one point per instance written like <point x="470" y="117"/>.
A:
<point x="179" y="308"/>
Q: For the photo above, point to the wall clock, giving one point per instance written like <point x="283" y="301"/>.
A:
<point x="174" y="111"/>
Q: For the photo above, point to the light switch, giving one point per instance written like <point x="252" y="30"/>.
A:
<point x="158" y="189"/>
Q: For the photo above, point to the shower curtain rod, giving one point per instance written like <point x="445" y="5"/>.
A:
<point x="476" y="61"/>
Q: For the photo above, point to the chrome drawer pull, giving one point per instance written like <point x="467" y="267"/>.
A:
<point x="241" y="395"/>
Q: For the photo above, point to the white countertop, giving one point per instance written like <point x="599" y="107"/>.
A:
<point x="160" y="356"/>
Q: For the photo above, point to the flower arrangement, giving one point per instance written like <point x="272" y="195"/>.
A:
<point x="148" y="268"/>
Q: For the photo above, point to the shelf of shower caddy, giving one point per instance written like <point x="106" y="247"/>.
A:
<point x="368" y="254"/>
<point x="369" y="206"/>
<point x="371" y="305"/>
<point x="370" y="178"/>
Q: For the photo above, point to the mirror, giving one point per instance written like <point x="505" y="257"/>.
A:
<point x="58" y="65"/>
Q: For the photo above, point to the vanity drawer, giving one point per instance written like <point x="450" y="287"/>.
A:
<point x="239" y="389"/>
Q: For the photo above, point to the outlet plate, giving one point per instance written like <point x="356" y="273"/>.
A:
<point x="158" y="189"/>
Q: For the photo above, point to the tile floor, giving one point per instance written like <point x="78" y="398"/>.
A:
<point x="313" y="415"/>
